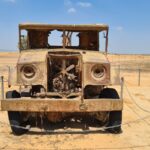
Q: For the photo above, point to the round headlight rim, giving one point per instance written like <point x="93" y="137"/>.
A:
<point x="25" y="77"/>
<point x="96" y="68"/>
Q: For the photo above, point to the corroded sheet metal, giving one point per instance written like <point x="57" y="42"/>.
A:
<point x="32" y="56"/>
<point x="40" y="77"/>
<point x="39" y="55"/>
<point x="39" y="105"/>
<point x="94" y="57"/>
<point x="87" y="55"/>
<point x="89" y="59"/>
<point x="38" y="59"/>
<point x="98" y="27"/>
<point x="89" y="80"/>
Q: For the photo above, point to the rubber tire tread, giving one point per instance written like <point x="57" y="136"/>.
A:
<point x="115" y="117"/>
<point x="14" y="117"/>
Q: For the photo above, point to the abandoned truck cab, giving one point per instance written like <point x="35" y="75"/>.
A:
<point x="62" y="73"/>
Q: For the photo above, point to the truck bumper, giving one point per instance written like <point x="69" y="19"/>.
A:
<point x="69" y="105"/>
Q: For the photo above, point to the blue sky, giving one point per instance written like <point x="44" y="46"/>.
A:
<point x="129" y="20"/>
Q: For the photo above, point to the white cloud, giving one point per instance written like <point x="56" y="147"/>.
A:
<point x="71" y="10"/>
<point x="84" y="4"/>
<point x="119" y="28"/>
<point x="11" y="1"/>
<point x="67" y="2"/>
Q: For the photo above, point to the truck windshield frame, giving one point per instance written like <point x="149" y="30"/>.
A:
<point x="39" y="36"/>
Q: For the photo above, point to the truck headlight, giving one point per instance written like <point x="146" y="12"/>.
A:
<point x="98" y="71"/>
<point x="28" y="72"/>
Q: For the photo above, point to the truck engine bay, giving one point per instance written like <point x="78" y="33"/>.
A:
<point x="64" y="73"/>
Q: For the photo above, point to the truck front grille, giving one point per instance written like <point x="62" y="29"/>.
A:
<point x="64" y="73"/>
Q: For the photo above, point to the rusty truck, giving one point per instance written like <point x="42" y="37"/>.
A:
<point x="62" y="72"/>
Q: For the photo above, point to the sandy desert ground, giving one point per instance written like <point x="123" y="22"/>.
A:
<point x="136" y="116"/>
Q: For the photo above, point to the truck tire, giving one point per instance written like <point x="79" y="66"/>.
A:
<point x="15" y="118"/>
<point x="115" y="117"/>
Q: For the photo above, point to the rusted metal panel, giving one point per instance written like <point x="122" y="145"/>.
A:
<point x="40" y="77"/>
<point x="38" y="60"/>
<point x="40" y="105"/>
<point x="32" y="56"/>
<point x="94" y="57"/>
<point x="86" y="27"/>
<point x="38" y="39"/>
<point x="90" y="80"/>
<point x="89" y="40"/>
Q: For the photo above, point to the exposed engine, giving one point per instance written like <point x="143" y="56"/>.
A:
<point x="64" y="73"/>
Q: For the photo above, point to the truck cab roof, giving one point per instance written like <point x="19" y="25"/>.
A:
<point x="62" y="27"/>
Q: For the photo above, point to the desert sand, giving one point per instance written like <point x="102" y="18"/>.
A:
<point x="136" y="116"/>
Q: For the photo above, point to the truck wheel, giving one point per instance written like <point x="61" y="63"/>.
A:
<point x="115" y="117"/>
<point x="15" y="117"/>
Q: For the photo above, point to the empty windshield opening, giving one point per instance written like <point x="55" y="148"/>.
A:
<point x="24" y="39"/>
<point x="63" y="38"/>
<point x="102" y="41"/>
<point x="44" y="39"/>
<point x="55" y="38"/>
<point x="75" y="39"/>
